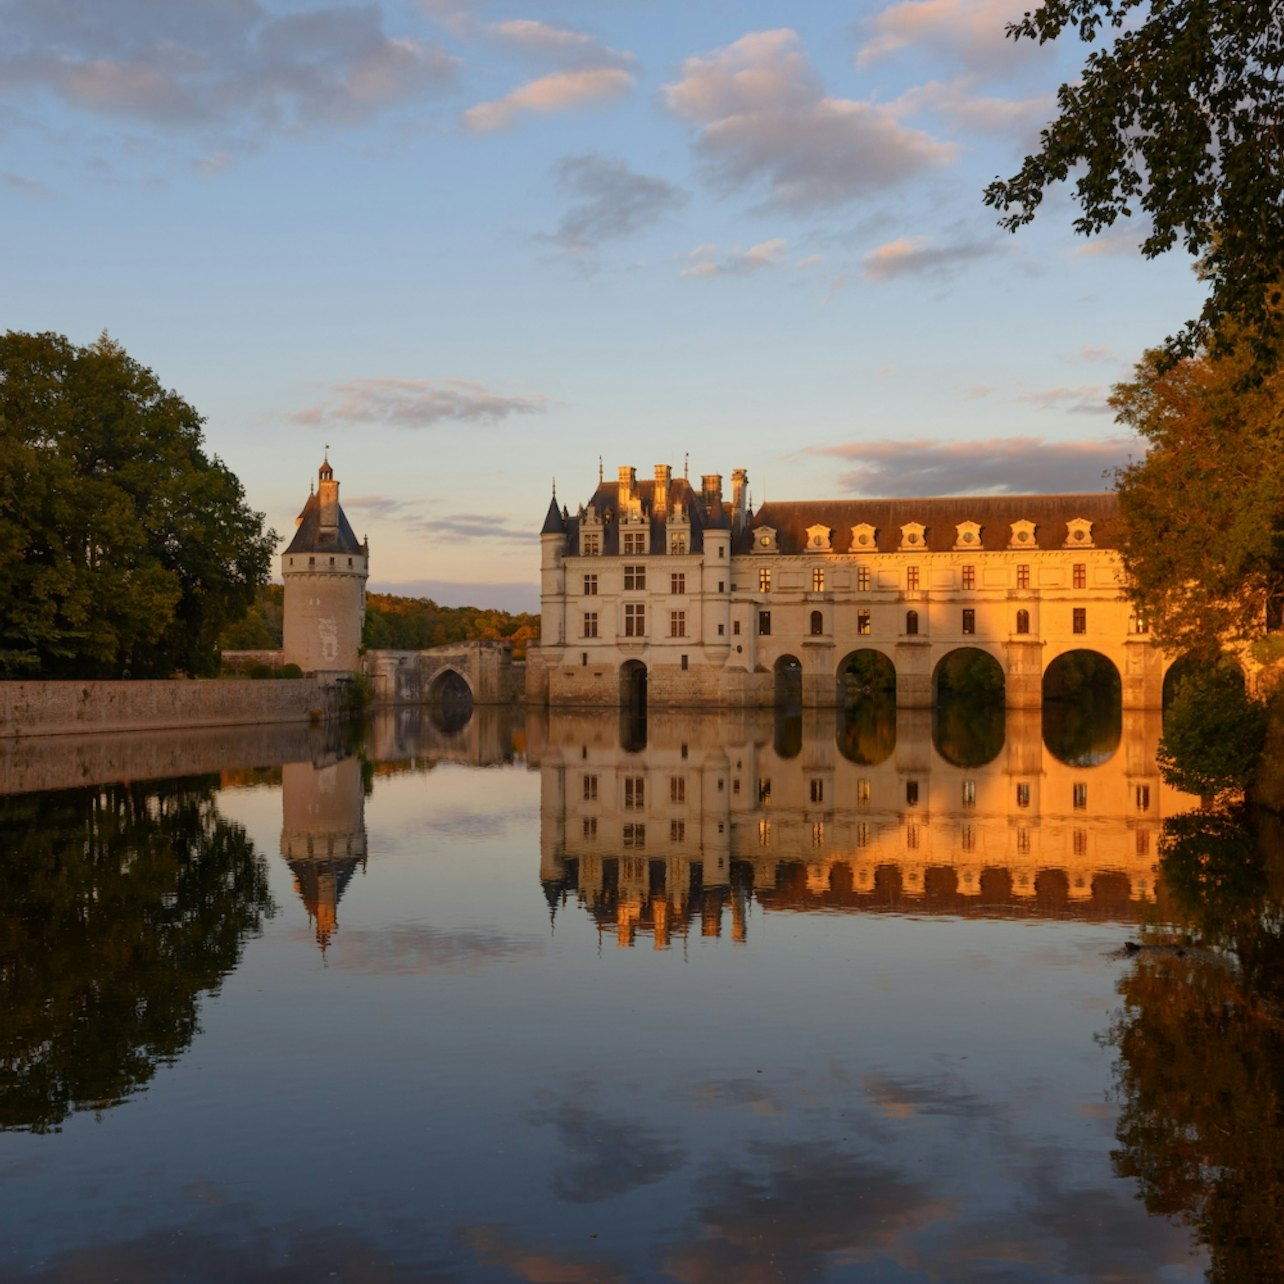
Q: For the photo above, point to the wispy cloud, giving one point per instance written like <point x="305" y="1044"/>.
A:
<point x="966" y="31"/>
<point x="960" y="105"/>
<point x="763" y="119"/>
<point x="916" y="256"/>
<point x="710" y="261"/>
<point x="559" y="43"/>
<point x="998" y="465"/>
<point x="417" y="403"/>
<point x="612" y="201"/>
<point x="1087" y="399"/>
<point x="25" y="186"/>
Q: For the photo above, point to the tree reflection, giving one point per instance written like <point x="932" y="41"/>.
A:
<point x="1201" y="1044"/>
<point x="119" y="906"/>
<point x="867" y="731"/>
<point x="968" y="730"/>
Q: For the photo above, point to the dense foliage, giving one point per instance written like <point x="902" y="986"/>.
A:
<point x="1202" y="530"/>
<point x="124" y="548"/>
<point x="1213" y="734"/>
<point x="1177" y="119"/>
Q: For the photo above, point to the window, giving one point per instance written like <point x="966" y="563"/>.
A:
<point x="634" y="578"/>
<point x="862" y="579"/>
<point x="862" y="792"/>
<point x="677" y="831"/>
<point x="634" y="543"/>
<point x="969" y="577"/>
<point x="1140" y="624"/>
<point x="634" y="793"/>
<point x="677" y="584"/>
<point x="969" y="793"/>
<point x="722" y="586"/>
<point x="764" y="833"/>
<point x="911" y="793"/>
<point x="634" y="620"/>
<point x="590" y="826"/>
<point x="590" y="544"/>
<point x="677" y="624"/>
<point x="1080" y="796"/>
<point x="1023" y="841"/>
<point x="1143" y="797"/>
<point x="590" y="624"/>
<point x="764" y="579"/>
<point x="911" y="578"/>
<point x="968" y="838"/>
<point x="969" y="620"/>
<point x="818" y="833"/>
<point x="818" y="791"/>
<point x="685" y="665"/>
<point x="1023" y="576"/>
<point x="634" y="835"/>
<point x="911" y="622"/>
<point x="590" y="789"/>
<point x="764" y="623"/>
<point x="1023" y="622"/>
<point x="1080" y="842"/>
<point x="911" y="837"/>
<point x="817" y="624"/>
<point x="1023" y="795"/>
<point x="817" y="579"/>
<point x="722" y="630"/>
<point x="862" y="835"/>
<point x="590" y="586"/>
<point x="1080" y="575"/>
<point x="735" y="627"/>
<point x="677" y="545"/>
<point x="764" y="791"/>
<point x="863" y="626"/>
<point x="1080" y="624"/>
<point x="1143" y="843"/>
<point x="677" y="789"/>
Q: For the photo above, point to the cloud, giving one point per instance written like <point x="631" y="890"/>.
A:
<point x="762" y="118"/>
<point x="914" y="256"/>
<point x="704" y="260"/>
<point x="560" y="43"/>
<point x="967" y="31"/>
<point x="957" y="103"/>
<point x="417" y="403"/>
<point x="218" y="64"/>
<point x="1088" y="399"/>
<point x="536" y="1263"/>
<point x="464" y="528"/>
<point x="613" y="201"/>
<point x="558" y="91"/>
<point x="25" y="186"/>
<point x="506" y="596"/>
<point x="999" y="465"/>
<point x="411" y="949"/>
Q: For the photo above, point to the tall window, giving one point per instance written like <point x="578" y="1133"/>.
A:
<point x="818" y="791"/>
<point x="764" y="623"/>
<point x="1080" y="575"/>
<point x="634" y="793"/>
<point x="969" y="620"/>
<point x="863" y="580"/>
<point x="862" y="792"/>
<point x="634" y="577"/>
<point x="969" y="793"/>
<point x="590" y="544"/>
<point x="590" y="827"/>
<point x="1080" y="620"/>
<point x="590" y="586"/>
<point x="634" y="620"/>
<point x="677" y="624"/>
<point x="677" y="545"/>
<point x="863" y="626"/>
<point x="1023" y="575"/>
<point x="969" y="577"/>
<point x="1143" y="797"/>
<point x="1023" y="622"/>
<point x="633" y="835"/>
<point x="1080" y="796"/>
<point x="1140" y="624"/>
<point x="677" y="789"/>
<point x="817" y="579"/>
<point x="590" y="624"/>
<point x="911" y="793"/>
<point x="911" y="578"/>
<point x="590" y="789"/>
<point x="764" y="791"/>
<point x="1023" y="795"/>
<point x="677" y="583"/>
<point x="634" y="542"/>
<point x="677" y="831"/>
<point x="911" y="622"/>
<point x="817" y="624"/>
<point x="764" y="579"/>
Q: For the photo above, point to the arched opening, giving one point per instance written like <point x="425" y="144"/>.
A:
<point x="788" y="675"/>
<point x="1179" y="670"/>
<point x="817" y="624"/>
<point x="866" y="732"/>
<point x="911" y="624"/>
<point x="1023" y="621"/>
<point x="633" y="686"/>
<point x="1082" y="708"/>
<point x="968" y="717"/>
<point x="864" y="676"/>
<point x="450" y="702"/>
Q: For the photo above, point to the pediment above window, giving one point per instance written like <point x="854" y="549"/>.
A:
<point x="967" y="535"/>
<point x="1022" y="535"/>
<point x="1078" y="533"/>
<point x="818" y="539"/>
<point x="864" y="537"/>
<point x="764" y="540"/>
<point x="914" y="536"/>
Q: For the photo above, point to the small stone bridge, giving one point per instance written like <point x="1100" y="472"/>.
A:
<point x="480" y="672"/>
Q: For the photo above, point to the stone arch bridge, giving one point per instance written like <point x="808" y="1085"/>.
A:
<point x="482" y="672"/>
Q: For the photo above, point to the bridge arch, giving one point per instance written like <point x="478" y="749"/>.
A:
<point x="450" y="699"/>
<point x="787" y="673"/>
<point x="1082" y="707"/>
<point x="633" y="684"/>
<point x="969" y="671"/>
<point x="865" y="674"/>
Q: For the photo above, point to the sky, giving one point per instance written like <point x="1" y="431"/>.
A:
<point x="473" y="247"/>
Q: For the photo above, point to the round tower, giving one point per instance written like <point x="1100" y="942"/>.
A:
<point x="324" y="570"/>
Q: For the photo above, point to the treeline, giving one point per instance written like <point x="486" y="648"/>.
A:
<point x="392" y="623"/>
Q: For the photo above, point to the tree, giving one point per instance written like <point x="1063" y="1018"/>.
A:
<point x="124" y="548"/>
<point x="1213" y="734"/>
<point x="1179" y="120"/>
<point x="1202" y="519"/>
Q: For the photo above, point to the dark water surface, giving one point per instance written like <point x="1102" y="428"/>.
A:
<point x="575" y="999"/>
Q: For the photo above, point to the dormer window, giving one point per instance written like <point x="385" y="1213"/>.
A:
<point x="1078" y="533"/>
<point x="864" y="536"/>
<point x="590" y="544"/>
<point x="818" y="539"/>
<point x="764" y="540"/>
<point x="968" y="535"/>
<point x="913" y="535"/>
<point x="1022" y="535"/>
<point x="634" y="543"/>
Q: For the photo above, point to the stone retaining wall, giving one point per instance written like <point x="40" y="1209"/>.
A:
<point x="83" y="708"/>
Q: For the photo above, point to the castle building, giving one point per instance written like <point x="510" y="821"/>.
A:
<point x="324" y="570"/>
<point x="658" y="591"/>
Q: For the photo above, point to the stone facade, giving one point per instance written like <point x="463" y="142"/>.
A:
<point x="324" y="570"/>
<point x="661" y="587"/>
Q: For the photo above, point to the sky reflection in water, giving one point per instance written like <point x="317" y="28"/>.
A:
<point x="855" y="1035"/>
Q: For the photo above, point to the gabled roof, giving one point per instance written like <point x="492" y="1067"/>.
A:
<point x="941" y="516"/>
<point x="310" y="538"/>
<point x="702" y="517"/>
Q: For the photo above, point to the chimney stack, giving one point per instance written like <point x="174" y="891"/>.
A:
<point x="663" y="475"/>
<point x="627" y="479"/>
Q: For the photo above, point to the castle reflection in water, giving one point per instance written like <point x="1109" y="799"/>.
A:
<point x="695" y="824"/>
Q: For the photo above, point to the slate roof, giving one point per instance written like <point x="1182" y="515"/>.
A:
<point x="994" y="513"/>
<point x="606" y="499"/>
<point x="309" y="537"/>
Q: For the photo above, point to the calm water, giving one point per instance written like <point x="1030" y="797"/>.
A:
<point x="573" y="999"/>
